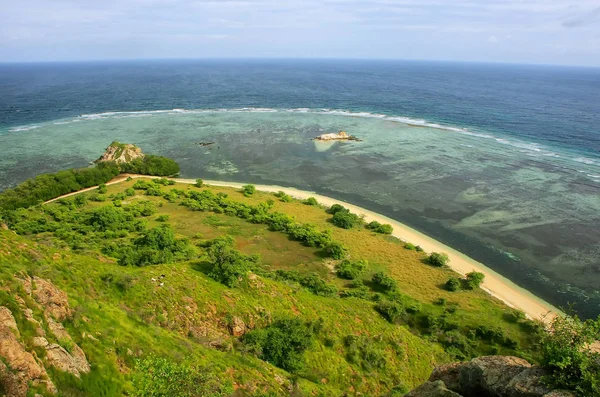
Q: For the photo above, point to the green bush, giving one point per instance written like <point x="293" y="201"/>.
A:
<point x="474" y="280"/>
<point x="335" y="209"/>
<point x="229" y="266"/>
<point x="364" y="351"/>
<point x="130" y="191"/>
<point x="248" y="190"/>
<point x="568" y="356"/>
<point x="336" y="250"/>
<point x="162" y="218"/>
<point x="102" y="189"/>
<point x="282" y="343"/>
<point x="199" y="183"/>
<point x="350" y="270"/>
<point x="438" y="259"/>
<point x="380" y="228"/>
<point x="345" y="219"/>
<point x="383" y="281"/>
<point x="311" y="201"/>
<point x="453" y="284"/>
<point x="318" y="286"/>
<point x="159" y="377"/>
<point x="410" y="246"/>
<point x="392" y="311"/>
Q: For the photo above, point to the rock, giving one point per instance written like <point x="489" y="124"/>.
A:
<point x="490" y="375"/>
<point x="340" y="136"/>
<point x="8" y="321"/>
<point x="121" y="153"/>
<point x="61" y="359"/>
<point x="559" y="393"/>
<point x="237" y="327"/>
<point x="432" y="389"/>
<point x="449" y="374"/>
<point x="19" y="367"/>
<point x="53" y="300"/>
<point x="528" y="383"/>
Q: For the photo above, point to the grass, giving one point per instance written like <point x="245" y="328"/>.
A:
<point x="184" y="319"/>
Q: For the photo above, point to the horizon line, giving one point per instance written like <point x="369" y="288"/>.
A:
<point x="351" y="59"/>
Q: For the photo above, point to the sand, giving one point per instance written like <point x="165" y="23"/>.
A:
<point x="495" y="284"/>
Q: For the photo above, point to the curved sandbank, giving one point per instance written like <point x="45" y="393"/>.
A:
<point x="495" y="284"/>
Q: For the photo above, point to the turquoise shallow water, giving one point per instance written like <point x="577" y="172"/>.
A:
<point x="527" y="211"/>
<point x="499" y="161"/>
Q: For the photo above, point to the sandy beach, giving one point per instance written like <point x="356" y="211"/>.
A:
<point x="495" y="284"/>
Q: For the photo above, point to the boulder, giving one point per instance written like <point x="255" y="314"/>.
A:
<point x="528" y="383"/>
<point x="449" y="374"/>
<point x="237" y="327"/>
<point x="432" y="389"/>
<point x="490" y="375"/>
<point x="120" y="153"/>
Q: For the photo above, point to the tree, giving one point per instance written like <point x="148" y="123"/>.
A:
<point x="438" y="259"/>
<point x="335" y="209"/>
<point x="453" y="284"/>
<point x="568" y="356"/>
<point x="474" y="280"/>
<point x="199" y="183"/>
<point x="229" y="266"/>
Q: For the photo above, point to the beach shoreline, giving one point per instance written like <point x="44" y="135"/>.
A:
<point x="494" y="284"/>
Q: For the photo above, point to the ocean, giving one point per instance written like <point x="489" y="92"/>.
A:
<point x="501" y="162"/>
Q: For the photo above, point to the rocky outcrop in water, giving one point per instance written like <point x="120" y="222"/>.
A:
<point x="490" y="376"/>
<point x="120" y="153"/>
<point x="340" y="136"/>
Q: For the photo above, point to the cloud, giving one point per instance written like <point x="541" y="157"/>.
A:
<point x="493" y="39"/>
<point x="582" y="20"/>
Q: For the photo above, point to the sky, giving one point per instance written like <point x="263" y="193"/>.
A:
<point x="565" y="32"/>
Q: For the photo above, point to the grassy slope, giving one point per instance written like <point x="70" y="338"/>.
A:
<point x="186" y="317"/>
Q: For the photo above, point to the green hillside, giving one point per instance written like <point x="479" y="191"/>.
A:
<point x="240" y="292"/>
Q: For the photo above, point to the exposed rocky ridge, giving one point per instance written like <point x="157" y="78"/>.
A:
<point x="340" y="136"/>
<point x="490" y="376"/>
<point x="120" y="153"/>
<point x="20" y="368"/>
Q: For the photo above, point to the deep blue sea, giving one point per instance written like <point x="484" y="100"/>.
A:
<point x="499" y="161"/>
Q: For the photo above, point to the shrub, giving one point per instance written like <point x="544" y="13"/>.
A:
<point x="345" y="219"/>
<point x="159" y="377"/>
<point x="350" y="270"/>
<point x="248" y="190"/>
<point x="410" y="246"/>
<point x="363" y="351"/>
<point x="162" y="218"/>
<point x="474" y="280"/>
<point x="102" y="189"/>
<point x="318" y="286"/>
<point x="380" y="228"/>
<point x="384" y="281"/>
<point x="453" y="284"/>
<point x="392" y="311"/>
<point x="419" y="249"/>
<point x="311" y="201"/>
<point x="335" y="209"/>
<point x="282" y="343"/>
<point x="130" y="191"/>
<point x="568" y="357"/>
<point x="336" y="250"/>
<point x="199" y="183"/>
<point x="438" y="259"/>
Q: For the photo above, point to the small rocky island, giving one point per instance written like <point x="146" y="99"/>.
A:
<point x="340" y="136"/>
<point x="120" y="153"/>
